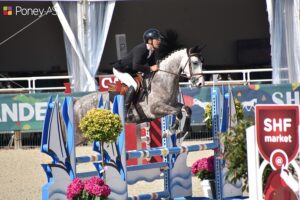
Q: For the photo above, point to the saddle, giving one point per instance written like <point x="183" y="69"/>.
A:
<point x="121" y="88"/>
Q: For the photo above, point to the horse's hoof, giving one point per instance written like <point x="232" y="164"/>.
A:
<point x="180" y="134"/>
<point x="179" y="116"/>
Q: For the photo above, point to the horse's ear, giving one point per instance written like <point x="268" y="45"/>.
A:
<point x="196" y="49"/>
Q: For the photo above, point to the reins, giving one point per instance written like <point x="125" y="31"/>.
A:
<point x="170" y="72"/>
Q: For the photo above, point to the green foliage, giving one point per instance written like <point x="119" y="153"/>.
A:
<point x="234" y="141"/>
<point x="235" y="152"/>
<point x="208" y="113"/>
<point x="100" y="125"/>
<point x="239" y="110"/>
<point x="208" y="116"/>
<point x="205" y="175"/>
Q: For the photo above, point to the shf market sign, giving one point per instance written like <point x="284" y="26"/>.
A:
<point x="277" y="129"/>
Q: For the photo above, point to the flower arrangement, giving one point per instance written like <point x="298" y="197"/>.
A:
<point x="91" y="189"/>
<point x="100" y="125"/>
<point x="204" y="168"/>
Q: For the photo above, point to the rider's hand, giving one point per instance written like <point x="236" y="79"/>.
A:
<point x="154" y="68"/>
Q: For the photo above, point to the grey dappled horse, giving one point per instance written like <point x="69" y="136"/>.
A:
<point x="162" y="98"/>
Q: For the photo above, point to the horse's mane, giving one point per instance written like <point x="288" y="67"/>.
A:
<point x="171" y="53"/>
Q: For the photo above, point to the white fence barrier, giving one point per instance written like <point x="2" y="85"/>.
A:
<point x="32" y="85"/>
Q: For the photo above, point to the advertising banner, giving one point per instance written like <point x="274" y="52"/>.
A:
<point x="104" y="81"/>
<point x="26" y="112"/>
<point x="248" y="95"/>
<point x="277" y="133"/>
<point x="277" y="137"/>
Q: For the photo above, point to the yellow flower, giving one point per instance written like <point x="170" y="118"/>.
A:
<point x="101" y="125"/>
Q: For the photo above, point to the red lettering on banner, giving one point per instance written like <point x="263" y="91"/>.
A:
<point x="105" y="80"/>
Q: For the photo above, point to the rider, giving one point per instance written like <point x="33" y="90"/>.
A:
<point x="142" y="58"/>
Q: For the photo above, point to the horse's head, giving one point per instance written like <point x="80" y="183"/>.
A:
<point x="192" y="66"/>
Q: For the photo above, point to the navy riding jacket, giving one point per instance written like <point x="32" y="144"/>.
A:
<point x="136" y="60"/>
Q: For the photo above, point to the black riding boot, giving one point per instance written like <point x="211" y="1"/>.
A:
<point x="128" y="99"/>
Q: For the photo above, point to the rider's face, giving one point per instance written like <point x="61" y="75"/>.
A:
<point x="156" y="43"/>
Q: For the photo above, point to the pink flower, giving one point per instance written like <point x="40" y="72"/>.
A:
<point x="92" y="187"/>
<point x="195" y="168"/>
<point x="104" y="191"/>
<point x="75" y="188"/>
<point x="95" y="180"/>
<point x="204" y="168"/>
<point x="95" y="186"/>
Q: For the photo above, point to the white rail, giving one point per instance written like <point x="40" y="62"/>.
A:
<point x="31" y="85"/>
<point x="246" y="76"/>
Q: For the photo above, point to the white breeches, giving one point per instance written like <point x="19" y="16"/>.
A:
<point x="125" y="78"/>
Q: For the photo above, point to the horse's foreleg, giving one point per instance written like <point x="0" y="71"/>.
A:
<point x="183" y="115"/>
<point x="162" y="109"/>
<point x="185" y="121"/>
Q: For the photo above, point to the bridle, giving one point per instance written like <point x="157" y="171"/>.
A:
<point x="188" y="63"/>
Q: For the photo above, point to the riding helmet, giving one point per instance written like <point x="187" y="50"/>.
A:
<point x="151" y="33"/>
